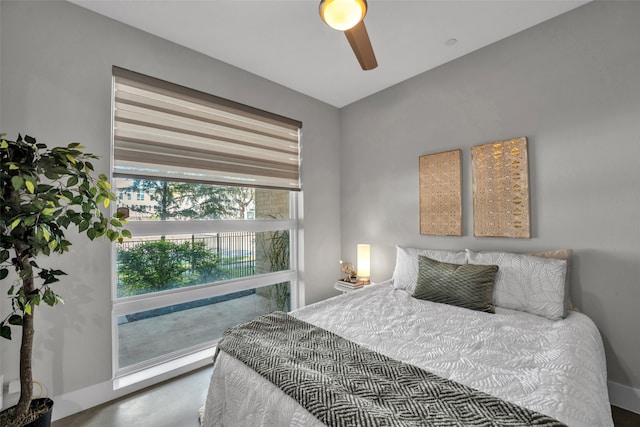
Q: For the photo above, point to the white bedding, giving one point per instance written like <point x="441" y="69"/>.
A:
<point x="553" y="367"/>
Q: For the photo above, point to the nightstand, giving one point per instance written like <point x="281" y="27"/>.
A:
<point x="345" y="289"/>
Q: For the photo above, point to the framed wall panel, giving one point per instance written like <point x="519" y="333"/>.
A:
<point x="501" y="189"/>
<point x="440" y="194"/>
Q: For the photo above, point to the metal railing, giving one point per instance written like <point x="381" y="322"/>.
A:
<point x="236" y="250"/>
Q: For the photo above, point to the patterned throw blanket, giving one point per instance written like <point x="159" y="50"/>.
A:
<point x="344" y="384"/>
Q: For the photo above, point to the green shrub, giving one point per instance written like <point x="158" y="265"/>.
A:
<point x="161" y="265"/>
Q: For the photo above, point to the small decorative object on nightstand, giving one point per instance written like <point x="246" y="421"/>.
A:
<point x="348" y="270"/>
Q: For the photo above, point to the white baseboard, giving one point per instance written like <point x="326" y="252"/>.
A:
<point x="76" y="401"/>
<point x="624" y="397"/>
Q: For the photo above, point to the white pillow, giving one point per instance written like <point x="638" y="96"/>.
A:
<point x="564" y="254"/>
<point x="405" y="275"/>
<point x="526" y="283"/>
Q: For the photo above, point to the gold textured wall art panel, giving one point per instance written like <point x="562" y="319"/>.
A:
<point x="501" y="189"/>
<point x="440" y="194"/>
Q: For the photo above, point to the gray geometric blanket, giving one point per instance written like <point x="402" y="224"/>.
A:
<point x="344" y="384"/>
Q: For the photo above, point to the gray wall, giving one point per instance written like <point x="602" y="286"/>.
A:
<point x="572" y="86"/>
<point x="56" y="85"/>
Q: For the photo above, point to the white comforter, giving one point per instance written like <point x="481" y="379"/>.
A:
<point x="553" y="367"/>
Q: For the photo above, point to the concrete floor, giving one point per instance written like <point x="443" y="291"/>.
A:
<point x="624" y="418"/>
<point x="174" y="403"/>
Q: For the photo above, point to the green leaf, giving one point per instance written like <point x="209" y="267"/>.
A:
<point x="63" y="221"/>
<point x="72" y="181"/>
<point x="64" y="245"/>
<point x="91" y="233"/>
<point x="3" y="144"/>
<point x="50" y="279"/>
<point x="5" y="331"/>
<point x="45" y="232"/>
<point x="51" y="175"/>
<point x="126" y="233"/>
<point x="3" y="273"/>
<point x="4" y="255"/>
<point x="49" y="297"/>
<point x="38" y="204"/>
<point x="30" y="186"/>
<point x="83" y="225"/>
<point x="112" y="235"/>
<point x="15" y="223"/>
<point x="17" y="182"/>
<point x="60" y="170"/>
<point x="115" y="223"/>
<point x="15" y="320"/>
<point x="28" y="309"/>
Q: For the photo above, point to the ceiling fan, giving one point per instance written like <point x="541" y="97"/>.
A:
<point x="348" y="16"/>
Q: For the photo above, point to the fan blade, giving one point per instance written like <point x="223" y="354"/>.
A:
<point x="361" y="45"/>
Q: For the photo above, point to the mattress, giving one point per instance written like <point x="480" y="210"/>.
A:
<point x="556" y="368"/>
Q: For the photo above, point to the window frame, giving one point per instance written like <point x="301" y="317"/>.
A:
<point x="126" y="305"/>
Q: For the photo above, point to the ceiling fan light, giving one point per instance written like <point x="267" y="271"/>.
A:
<point x="342" y="15"/>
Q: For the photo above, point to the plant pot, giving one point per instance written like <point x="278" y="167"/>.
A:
<point x="44" y="420"/>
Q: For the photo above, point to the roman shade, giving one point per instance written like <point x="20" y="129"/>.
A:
<point x="167" y="131"/>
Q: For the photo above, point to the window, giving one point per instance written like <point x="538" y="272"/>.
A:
<point x="214" y="241"/>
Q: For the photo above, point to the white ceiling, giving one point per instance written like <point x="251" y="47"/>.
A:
<point x="285" y="41"/>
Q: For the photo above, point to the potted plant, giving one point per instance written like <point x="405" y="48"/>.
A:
<point x="44" y="191"/>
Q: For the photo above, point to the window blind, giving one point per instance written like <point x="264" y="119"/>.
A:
<point x="167" y="131"/>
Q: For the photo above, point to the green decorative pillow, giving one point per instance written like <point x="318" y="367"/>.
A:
<point x="463" y="285"/>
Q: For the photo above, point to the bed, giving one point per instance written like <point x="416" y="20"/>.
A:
<point x="550" y="363"/>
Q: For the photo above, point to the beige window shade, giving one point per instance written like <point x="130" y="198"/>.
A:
<point x="167" y="131"/>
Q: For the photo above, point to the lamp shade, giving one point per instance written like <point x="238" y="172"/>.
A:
<point x="342" y="14"/>
<point x="364" y="263"/>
